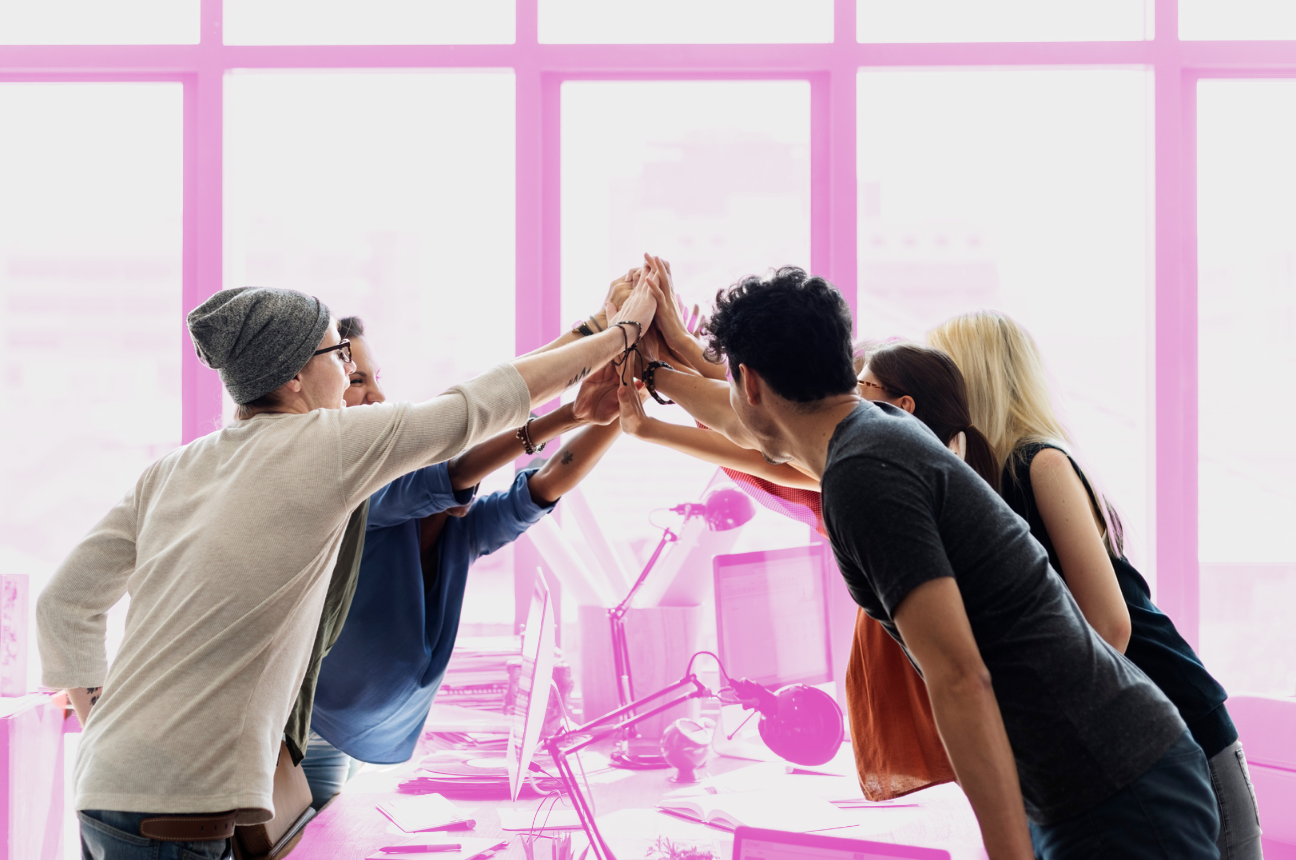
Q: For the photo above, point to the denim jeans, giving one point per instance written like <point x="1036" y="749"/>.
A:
<point x="327" y="769"/>
<point x="1168" y="813"/>
<point x="110" y="835"/>
<point x="1239" y="837"/>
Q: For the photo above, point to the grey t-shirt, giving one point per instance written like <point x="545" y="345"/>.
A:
<point x="900" y="510"/>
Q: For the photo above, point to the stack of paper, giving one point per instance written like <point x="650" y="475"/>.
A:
<point x="477" y="676"/>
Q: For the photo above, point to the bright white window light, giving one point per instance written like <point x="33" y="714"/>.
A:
<point x="1025" y="192"/>
<point x="90" y="280"/>
<point x="685" y="21"/>
<point x="98" y="22"/>
<point x="1003" y="20"/>
<point x="1237" y="19"/>
<point x="368" y="22"/>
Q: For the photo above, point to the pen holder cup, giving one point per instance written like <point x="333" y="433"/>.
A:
<point x="543" y="847"/>
<point x="661" y="640"/>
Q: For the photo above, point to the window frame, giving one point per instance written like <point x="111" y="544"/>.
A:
<point x="831" y="69"/>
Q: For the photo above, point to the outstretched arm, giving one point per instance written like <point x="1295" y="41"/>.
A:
<point x="548" y="374"/>
<point x="595" y="404"/>
<point x="706" y="446"/>
<point x="569" y="466"/>
<point x="672" y="325"/>
<point x="468" y="469"/>
<point x="707" y="400"/>
<point x="617" y="293"/>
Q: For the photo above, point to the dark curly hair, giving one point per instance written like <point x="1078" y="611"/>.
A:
<point x="791" y="328"/>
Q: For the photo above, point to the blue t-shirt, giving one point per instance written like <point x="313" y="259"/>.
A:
<point x="377" y="683"/>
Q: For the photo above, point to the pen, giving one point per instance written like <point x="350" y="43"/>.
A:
<point x="421" y="849"/>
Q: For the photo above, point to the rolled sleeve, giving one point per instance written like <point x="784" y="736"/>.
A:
<point x="419" y="494"/>
<point x="501" y="518"/>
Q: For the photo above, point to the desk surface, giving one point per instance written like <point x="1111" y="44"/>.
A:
<point x="351" y="828"/>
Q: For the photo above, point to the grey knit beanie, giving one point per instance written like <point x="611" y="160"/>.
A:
<point x="257" y="337"/>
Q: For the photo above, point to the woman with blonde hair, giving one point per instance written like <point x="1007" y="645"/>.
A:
<point x="1009" y="398"/>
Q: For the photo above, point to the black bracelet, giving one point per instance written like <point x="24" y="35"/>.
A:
<point x="582" y="328"/>
<point x="524" y="436"/>
<point x="626" y="338"/>
<point x="649" y="380"/>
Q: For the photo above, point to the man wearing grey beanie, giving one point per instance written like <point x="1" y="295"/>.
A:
<point x="226" y="545"/>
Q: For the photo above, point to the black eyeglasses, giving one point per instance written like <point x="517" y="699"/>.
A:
<point x="344" y="348"/>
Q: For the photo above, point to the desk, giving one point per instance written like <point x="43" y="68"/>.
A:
<point x="351" y="828"/>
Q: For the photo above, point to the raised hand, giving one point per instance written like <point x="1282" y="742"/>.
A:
<point x="596" y="401"/>
<point x="640" y="306"/>
<point x="633" y="417"/>
<point x="619" y="290"/>
<point x="669" y="319"/>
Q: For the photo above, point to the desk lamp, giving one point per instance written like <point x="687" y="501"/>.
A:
<point x="723" y="509"/>
<point x="799" y="723"/>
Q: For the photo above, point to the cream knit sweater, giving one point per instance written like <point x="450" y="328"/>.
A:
<point x="225" y="546"/>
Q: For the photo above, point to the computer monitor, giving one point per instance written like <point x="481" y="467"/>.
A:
<point x="753" y="844"/>
<point x="772" y="616"/>
<point x="533" y="686"/>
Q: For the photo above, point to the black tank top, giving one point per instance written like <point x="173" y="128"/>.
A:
<point x="1155" y="646"/>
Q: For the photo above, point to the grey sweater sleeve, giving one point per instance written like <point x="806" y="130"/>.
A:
<point x="72" y="611"/>
<point x="380" y="443"/>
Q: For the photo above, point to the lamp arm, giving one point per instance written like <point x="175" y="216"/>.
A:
<point x="668" y="536"/>
<point x="600" y="728"/>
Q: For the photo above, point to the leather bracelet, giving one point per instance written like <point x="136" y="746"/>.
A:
<point x="524" y="436"/>
<point x="621" y="325"/>
<point x="649" y="378"/>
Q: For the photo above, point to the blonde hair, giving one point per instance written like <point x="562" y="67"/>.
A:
<point x="1008" y="393"/>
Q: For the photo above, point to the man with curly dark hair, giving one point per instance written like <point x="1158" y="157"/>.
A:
<point x="1042" y="719"/>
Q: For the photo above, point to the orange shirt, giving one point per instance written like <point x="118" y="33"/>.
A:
<point x="893" y="734"/>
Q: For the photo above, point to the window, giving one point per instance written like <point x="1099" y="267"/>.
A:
<point x="1237" y="19"/>
<point x="98" y="22"/>
<point x="90" y="241"/>
<point x="676" y="21"/>
<point x="1246" y="294"/>
<point x="1003" y="20"/>
<point x="714" y="185"/>
<point x="1023" y="192"/>
<point x="371" y="22"/>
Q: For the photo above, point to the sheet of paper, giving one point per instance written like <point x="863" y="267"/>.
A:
<point x="526" y="820"/>
<point x="423" y="812"/>
<point x="471" y="847"/>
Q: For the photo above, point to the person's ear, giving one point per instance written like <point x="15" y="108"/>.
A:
<point x="907" y="404"/>
<point x="751" y="385"/>
<point x="295" y="384"/>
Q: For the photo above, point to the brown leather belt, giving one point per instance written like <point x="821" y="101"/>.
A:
<point x="188" y="828"/>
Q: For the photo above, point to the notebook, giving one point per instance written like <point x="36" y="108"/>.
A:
<point x="773" y="809"/>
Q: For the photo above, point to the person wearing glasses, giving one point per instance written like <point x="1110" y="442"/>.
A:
<point x="425" y="530"/>
<point x="1054" y="736"/>
<point x="225" y="546"/>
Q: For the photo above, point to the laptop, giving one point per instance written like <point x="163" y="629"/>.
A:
<point x="751" y="843"/>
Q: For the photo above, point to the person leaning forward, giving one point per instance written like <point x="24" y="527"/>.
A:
<point x="225" y="547"/>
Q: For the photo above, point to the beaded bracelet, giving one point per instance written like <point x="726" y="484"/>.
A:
<point x="649" y="380"/>
<point x="524" y="436"/>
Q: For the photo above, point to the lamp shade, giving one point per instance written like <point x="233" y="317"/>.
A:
<point x="727" y="508"/>
<point x="808" y="727"/>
